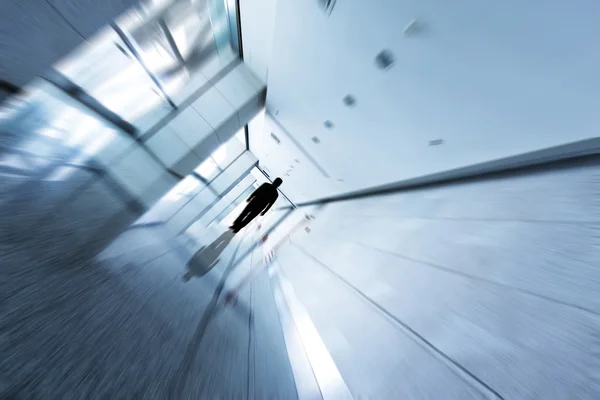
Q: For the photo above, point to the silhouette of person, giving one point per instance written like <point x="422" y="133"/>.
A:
<point x="259" y="202"/>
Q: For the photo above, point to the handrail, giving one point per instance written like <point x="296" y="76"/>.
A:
<point x="537" y="161"/>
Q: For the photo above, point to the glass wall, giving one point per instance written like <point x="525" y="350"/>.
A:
<point x="230" y="213"/>
<point x="45" y="127"/>
<point x="182" y="42"/>
<point x="107" y="71"/>
<point x="221" y="158"/>
<point x="154" y="57"/>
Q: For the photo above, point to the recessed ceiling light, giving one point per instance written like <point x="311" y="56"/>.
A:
<point x="412" y="28"/>
<point x="349" y="100"/>
<point x="384" y="60"/>
<point x="328" y="124"/>
<point x="298" y="161"/>
<point x="275" y="138"/>
<point x="326" y="5"/>
<point x="122" y="50"/>
<point x="316" y="140"/>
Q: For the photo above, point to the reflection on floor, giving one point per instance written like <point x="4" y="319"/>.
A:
<point x="208" y="256"/>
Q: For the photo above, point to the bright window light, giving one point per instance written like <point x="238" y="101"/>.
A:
<point x="207" y="168"/>
<point x="185" y="188"/>
<point x="220" y="154"/>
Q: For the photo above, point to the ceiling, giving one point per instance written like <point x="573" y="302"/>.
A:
<point x="490" y="79"/>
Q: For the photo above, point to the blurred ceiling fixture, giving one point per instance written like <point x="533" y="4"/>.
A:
<point x="412" y="28"/>
<point x="122" y="50"/>
<point x="316" y="140"/>
<point x="436" y="142"/>
<point x="328" y="124"/>
<point x="275" y="138"/>
<point x="326" y="5"/>
<point x="349" y="100"/>
<point x="298" y="161"/>
<point x="384" y="60"/>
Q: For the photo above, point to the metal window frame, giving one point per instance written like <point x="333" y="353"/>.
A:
<point x="240" y="48"/>
<point x="133" y="50"/>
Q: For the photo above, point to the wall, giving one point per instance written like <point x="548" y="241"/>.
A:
<point x="258" y="27"/>
<point x="489" y="92"/>
<point x="482" y="287"/>
<point x="304" y="177"/>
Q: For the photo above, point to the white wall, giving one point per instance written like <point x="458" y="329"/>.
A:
<point x="258" y="28"/>
<point x="499" y="276"/>
<point x="302" y="179"/>
<point x="490" y="80"/>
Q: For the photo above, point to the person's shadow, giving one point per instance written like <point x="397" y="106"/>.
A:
<point x="208" y="256"/>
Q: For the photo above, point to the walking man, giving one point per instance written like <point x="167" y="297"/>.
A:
<point x="259" y="202"/>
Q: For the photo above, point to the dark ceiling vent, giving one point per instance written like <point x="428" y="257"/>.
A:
<point x="349" y="101"/>
<point x="326" y="5"/>
<point x="384" y="60"/>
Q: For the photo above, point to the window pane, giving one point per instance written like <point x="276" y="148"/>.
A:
<point x="232" y="207"/>
<point x="108" y="72"/>
<point x="208" y="169"/>
<point x="182" y="42"/>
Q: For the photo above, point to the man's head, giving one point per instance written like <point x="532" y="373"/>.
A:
<point x="277" y="182"/>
